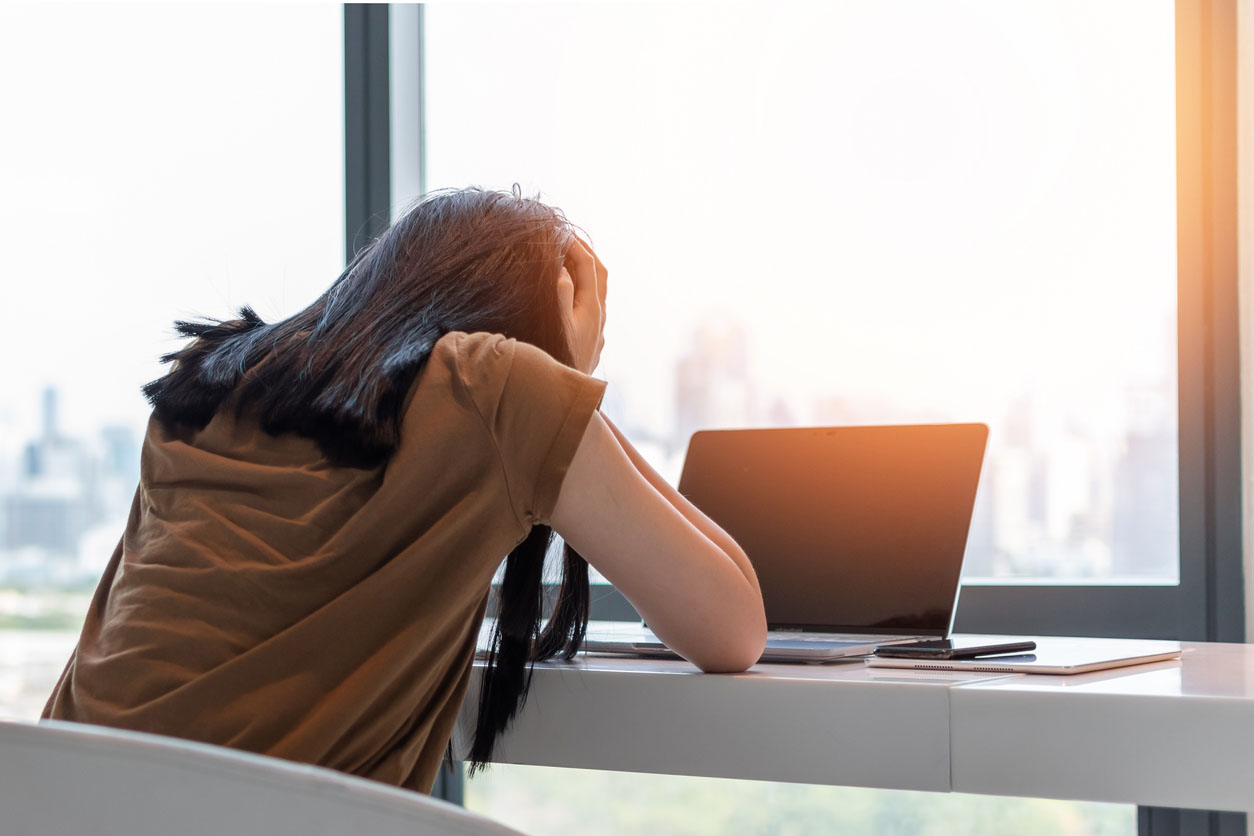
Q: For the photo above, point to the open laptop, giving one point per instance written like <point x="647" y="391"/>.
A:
<point x="857" y="534"/>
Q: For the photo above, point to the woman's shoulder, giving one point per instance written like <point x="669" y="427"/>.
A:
<point x="475" y="360"/>
<point x="493" y="368"/>
<point x="470" y="347"/>
<point x="534" y="407"/>
<point x="483" y="357"/>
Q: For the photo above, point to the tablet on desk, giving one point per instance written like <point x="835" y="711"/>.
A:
<point x="1052" y="656"/>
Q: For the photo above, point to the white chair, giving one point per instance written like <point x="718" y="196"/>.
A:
<point x="64" y="779"/>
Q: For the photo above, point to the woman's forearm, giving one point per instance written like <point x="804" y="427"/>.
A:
<point x="693" y="514"/>
<point x="685" y="576"/>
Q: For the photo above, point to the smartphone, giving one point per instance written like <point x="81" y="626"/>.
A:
<point x="948" y="649"/>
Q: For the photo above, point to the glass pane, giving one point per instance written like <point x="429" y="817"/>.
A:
<point x="160" y="163"/>
<point x="570" y="801"/>
<point x="866" y="213"/>
<point x="31" y="662"/>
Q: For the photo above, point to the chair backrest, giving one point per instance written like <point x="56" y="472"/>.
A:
<point x="65" y="778"/>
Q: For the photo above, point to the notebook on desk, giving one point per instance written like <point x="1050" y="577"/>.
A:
<point x="857" y="534"/>
<point x="1056" y="656"/>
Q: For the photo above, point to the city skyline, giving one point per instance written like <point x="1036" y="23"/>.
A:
<point x="1057" y="499"/>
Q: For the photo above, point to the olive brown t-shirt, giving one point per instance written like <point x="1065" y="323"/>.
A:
<point x="264" y="599"/>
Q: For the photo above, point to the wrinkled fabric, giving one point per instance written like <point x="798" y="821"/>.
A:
<point x="264" y="599"/>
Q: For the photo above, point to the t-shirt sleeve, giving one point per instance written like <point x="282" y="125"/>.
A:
<point x="536" y="410"/>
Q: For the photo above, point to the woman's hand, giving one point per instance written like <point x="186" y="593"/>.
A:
<point x="581" y="289"/>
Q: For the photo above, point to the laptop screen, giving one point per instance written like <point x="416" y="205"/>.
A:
<point x="850" y="529"/>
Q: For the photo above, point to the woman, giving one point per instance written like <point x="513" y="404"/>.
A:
<point x="324" y="501"/>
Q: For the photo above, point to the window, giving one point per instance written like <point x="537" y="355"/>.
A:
<point x="162" y="163"/>
<point x="574" y="801"/>
<point x="867" y="213"/>
<point x="872" y="213"/>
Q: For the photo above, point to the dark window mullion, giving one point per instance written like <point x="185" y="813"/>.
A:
<point x="367" y="153"/>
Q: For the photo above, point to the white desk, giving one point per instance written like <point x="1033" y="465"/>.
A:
<point x="1170" y="734"/>
<point x="832" y="724"/>
<point x="1177" y="734"/>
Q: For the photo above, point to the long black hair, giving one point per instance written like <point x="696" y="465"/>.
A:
<point x="338" y="373"/>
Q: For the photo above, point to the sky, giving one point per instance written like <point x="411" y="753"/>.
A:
<point x="171" y="162"/>
<point x="901" y="197"/>
<point x="935" y="204"/>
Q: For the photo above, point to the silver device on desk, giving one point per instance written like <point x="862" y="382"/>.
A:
<point x="857" y="534"/>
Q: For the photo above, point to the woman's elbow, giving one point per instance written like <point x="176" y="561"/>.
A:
<point x="728" y="662"/>
<point x="734" y="656"/>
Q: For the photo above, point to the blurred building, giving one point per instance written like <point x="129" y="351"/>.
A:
<point x="713" y="387"/>
<point x="1146" y="535"/>
<point x="55" y="498"/>
<point x="49" y="507"/>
